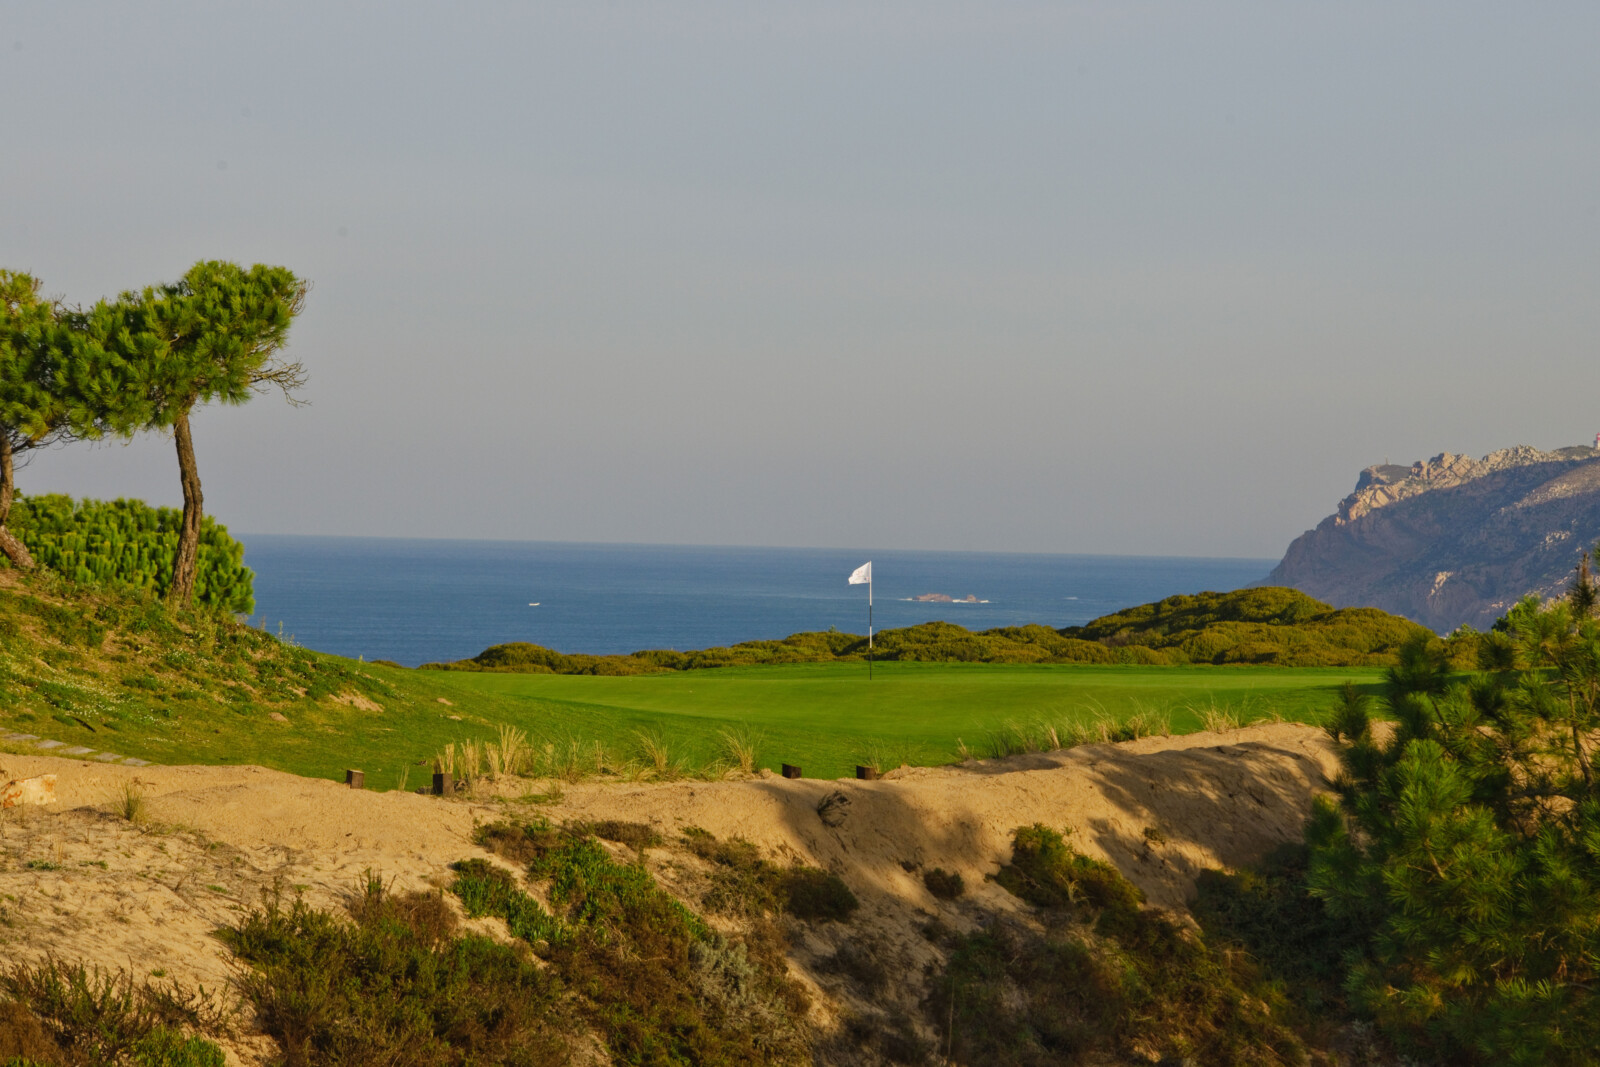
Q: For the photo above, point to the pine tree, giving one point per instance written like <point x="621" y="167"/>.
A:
<point x="215" y="334"/>
<point x="1465" y="845"/>
<point x="32" y="412"/>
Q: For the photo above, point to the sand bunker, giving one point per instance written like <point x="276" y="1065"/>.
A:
<point x="79" y="881"/>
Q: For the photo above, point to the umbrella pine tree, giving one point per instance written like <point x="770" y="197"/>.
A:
<point x="33" y="413"/>
<point x="216" y="334"/>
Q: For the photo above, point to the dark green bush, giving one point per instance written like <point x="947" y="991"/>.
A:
<point x="745" y="885"/>
<point x="127" y="542"/>
<point x="1463" y="853"/>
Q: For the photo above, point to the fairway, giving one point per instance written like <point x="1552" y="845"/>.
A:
<point x="826" y="718"/>
<point x="829" y="717"/>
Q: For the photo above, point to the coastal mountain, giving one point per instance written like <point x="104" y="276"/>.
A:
<point x="1453" y="540"/>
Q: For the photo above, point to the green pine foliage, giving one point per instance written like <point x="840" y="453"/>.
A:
<point x="129" y="543"/>
<point x="1281" y="627"/>
<point x="1463" y="850"/>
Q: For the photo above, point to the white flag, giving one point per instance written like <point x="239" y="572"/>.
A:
<point x="862" y="575"/>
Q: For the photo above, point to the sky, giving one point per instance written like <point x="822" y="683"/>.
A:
<point x="1059" y="277"/>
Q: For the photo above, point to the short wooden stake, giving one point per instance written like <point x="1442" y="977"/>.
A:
<point x="443" y="784"/>
<point x="866" y="774"/>
<point x="355" y="779"/>
<point x="791" y="771"/>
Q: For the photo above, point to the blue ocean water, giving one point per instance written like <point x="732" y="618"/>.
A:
<point x="415" y="601"/>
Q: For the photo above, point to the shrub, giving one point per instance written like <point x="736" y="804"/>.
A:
<point x="1268" y="625"/>
<point x="810" y="893"/>
<point x="1136" y="983"/>
<point x="652" y="978"/>
<point x="745" y="885"/>
<point x="393" y="987"/>
<point x="946" y="885"/>
<point x="70" y="1014"/>
<point x="127" y="542"/>
<point x="1047" y="872"/>
<point x="1461" y="853"/>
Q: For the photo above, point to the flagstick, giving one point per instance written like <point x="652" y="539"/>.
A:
<point x="869" y="629"/>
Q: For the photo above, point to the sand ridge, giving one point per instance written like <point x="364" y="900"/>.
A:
<point x="79" y="881"/>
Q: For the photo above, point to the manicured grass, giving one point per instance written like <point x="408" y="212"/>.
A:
<point x="117" y="675"/>
<point x="828" y="717"/>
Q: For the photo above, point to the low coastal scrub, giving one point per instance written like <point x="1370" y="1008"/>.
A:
<point x="128" y="544"/>
<point x="1104" y="975"/>
<point x="396" y="986"/>
<point x="651" y="978"/>
<point x="52" y="1013"/>
<point x="1262" y="626"/>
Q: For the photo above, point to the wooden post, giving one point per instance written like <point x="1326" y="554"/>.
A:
<point x="443" y="784"/>
<point x="355" y="779"/>
<point x="866" y="774"/>
<point x="791" y="771"/>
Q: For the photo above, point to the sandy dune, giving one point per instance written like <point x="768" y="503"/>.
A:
<point x="79" y="881"/>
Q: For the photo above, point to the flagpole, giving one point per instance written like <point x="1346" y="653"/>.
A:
<point x="869" y="629"/>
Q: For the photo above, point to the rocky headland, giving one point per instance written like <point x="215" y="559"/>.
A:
<point x="1453" y="540"/>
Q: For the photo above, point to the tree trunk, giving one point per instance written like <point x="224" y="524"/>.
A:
<point x="181" y="591"/>
<point x="15" y="550"/>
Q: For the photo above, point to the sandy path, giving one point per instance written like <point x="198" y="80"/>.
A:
<point x="82" y="883"/>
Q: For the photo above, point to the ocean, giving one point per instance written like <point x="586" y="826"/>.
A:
<point x="416" y="601"/>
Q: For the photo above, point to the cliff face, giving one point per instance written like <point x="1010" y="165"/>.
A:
<point x="1453" y="540"/>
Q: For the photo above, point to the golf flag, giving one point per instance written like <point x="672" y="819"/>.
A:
<point x="862" y="575"/>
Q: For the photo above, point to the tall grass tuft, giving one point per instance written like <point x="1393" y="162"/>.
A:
<point x="741" y="744"/>
<point x="131" y="803"/>
<point x="469" y="764"/>
<point x="513" y="749"/>
<point x="657" y="755"/>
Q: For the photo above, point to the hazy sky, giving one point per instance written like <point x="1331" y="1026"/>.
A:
<point x="1101" y="277"/>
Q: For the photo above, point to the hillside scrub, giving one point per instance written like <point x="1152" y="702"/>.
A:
<point x="95" y="662"/>
<point x="52" y="1013"/>
<point x="1262" y="626"/>
<point x="650" y="976"/>
<point x="397" y="986"/>
<point x="1104" y="973"/>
